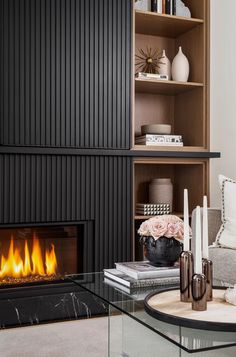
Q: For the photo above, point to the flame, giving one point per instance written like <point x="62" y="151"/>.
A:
<point x="17" y="266"/>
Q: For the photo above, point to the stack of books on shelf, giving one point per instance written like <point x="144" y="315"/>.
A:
<point x="152" y="209"/>
<point x="138" y="278"/>
<point x="159" y="140"/>
<point x="164" y="6"/>
<point x="151" y="76"/>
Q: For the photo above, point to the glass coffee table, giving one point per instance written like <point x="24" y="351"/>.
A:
<point x="134" y="333"/>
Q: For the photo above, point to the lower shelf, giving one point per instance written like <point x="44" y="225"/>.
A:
<point x="141" y="218"/>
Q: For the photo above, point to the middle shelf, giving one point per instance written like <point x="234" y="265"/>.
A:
<point x="183" y="173"/>
<point x="164" y="86"/>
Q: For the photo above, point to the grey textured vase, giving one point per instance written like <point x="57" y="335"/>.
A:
<point x="161" y="191"/>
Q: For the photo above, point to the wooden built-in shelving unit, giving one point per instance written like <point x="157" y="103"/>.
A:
<point x="183" y="105"/>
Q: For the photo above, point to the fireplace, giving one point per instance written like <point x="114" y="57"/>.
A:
<point x="34" y="262"/>
<point x="44" y="253"/>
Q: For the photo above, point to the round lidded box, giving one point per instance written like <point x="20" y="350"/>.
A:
<point x="163" y="129"/>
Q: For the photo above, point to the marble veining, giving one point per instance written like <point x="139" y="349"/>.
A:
<point x="50" y="307"/>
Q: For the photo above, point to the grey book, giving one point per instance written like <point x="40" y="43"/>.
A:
<point x="131" y="283"/>
<point x="140" y="292"/>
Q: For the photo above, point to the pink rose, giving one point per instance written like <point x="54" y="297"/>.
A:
<point x="172" y="230"/>
<point x="158" y="229"/>
<point x="166" y="225"/>
<point x="144" y="229"/>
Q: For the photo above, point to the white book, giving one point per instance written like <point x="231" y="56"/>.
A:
<point x="144" y="270"/>
<point x="159" y="6"/>
<point x="153" y="205"/>
<point x="152" y="213"/>
<point x="159" y="144"/>
<point x="143" y="75"/>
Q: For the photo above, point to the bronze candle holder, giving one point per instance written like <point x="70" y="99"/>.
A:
<point x="199" y="295"/>
<point x="207" y="269"/>
<point x="186" y="274"/>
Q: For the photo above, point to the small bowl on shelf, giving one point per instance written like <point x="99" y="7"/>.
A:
<point x="162" y="129"/>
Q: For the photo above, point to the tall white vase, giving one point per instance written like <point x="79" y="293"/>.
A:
<point x="180" y="67"/>
<point x="165" y="66"/>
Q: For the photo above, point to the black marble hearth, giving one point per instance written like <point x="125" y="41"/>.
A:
<point x="47" y="303"/>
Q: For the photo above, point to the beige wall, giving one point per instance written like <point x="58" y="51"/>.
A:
<point x="223" y="93"/>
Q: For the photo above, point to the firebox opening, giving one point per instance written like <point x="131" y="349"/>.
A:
<point x="35" y="254"/>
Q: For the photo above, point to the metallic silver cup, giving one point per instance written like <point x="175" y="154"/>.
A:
<point x="186" y="274"/>
<point x="207" y="269"/>
<point x="199" y="295"/>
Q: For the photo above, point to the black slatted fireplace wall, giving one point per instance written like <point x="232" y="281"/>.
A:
<point x="65" y="113"/>
<point x="44" y="190"/>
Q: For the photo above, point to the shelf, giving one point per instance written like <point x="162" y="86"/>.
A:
<point x="150" y="23"/>
<point x="170" y="148"/>
<point x="164" y="87"/>
<point x="138" y="152"/>
<point x="137" y="217"/>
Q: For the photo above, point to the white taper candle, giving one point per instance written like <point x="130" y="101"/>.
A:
<point x="205" y="253"/>
<point x="186" y="221"/>
<point x="198" y="243"/>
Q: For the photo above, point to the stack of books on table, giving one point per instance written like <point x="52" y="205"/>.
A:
<point x="152" y="209"/>
<point x="159" y="140"/>
<point x="134" y="277"/>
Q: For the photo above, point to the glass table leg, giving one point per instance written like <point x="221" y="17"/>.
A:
<point x="129" y="338"/>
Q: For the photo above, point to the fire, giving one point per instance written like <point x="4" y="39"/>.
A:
<point x="19" y="265"/>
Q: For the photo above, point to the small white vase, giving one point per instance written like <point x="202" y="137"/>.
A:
<point x="180" y="67"/>
<point x="165" y="66"/>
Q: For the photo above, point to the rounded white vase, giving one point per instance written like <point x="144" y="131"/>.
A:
<point x="161" y="191"/>
<point x="180" y="67"/>
<point x="165" y="66"/>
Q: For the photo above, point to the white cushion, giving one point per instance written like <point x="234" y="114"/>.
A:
<point x="226" y="236"/>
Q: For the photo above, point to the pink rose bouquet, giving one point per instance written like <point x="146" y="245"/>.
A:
<point x="168" y="226"/>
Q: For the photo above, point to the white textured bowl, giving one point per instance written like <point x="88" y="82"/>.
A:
<point x="156" y="129"/>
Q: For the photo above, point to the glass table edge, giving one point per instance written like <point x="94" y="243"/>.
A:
<point x="196" y="350"/>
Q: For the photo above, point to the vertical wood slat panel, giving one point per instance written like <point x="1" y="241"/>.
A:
<point x="65" y="68"/>
<point x="2" y="44"/>
<point x="47" y="188"/>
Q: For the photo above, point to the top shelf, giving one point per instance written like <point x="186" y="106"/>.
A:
<point x="151" y="23"/>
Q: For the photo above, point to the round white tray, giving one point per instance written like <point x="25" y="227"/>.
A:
<point x="166" y="306"/>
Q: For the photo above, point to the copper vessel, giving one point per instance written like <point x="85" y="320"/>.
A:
<point x="186" y="274"/>
<point x="207" y="269"/>
<point x="199" y="295"/>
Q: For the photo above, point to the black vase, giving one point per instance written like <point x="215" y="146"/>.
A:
<point x="163" y="251"/>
